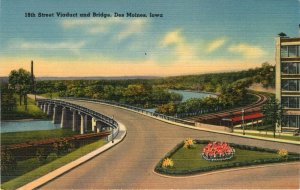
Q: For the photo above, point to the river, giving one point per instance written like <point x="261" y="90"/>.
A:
<point x="22" y="125"/>
<point x="186" y="95"/>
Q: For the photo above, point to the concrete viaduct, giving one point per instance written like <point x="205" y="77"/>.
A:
<point x="78" y="118"/>
<point x="130" y="164"/>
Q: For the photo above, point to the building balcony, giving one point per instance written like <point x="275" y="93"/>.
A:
<point x="290" y="93"/>
<point x="290" y="76"/>
<point x="293" y="40"/>
<point x="291" y="111"/>
<point x="294" y="59"/>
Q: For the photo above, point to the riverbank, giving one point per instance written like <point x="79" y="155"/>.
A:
<point x="32" y="112"/>
<point x="24" y="136"/>
<point x="29" y="119"/>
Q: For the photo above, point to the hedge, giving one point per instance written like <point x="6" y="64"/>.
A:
<point x="23" y="151"/>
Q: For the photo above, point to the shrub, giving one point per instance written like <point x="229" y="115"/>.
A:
<point x="41" y="154"/>
<point x="189" y="143"/>
<point x="282" y="153"/>
<point x="58" y="148"/>
<point x="71" y="146"/>
<point x="8" y="162"/>
<point x="167" y="163"/>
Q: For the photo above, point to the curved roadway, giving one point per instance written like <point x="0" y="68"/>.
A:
<point x="130" y="164"/>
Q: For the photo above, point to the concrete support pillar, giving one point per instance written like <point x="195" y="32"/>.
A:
<point x="74" y="120"/>
<point x="50" y="110"/>
<point x="63" y="123"/>
<point x="82" y="123"/>
<point x="56" y="114"/>
<point x="94" y="124"/>
<point x="85" y="123"/>
<point x="98" y="126"/>
<point x="42" y="106"/>
<point x="45" y="108"/>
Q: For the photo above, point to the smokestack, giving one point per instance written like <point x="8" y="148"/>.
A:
<point x="32" y="81"/>
<point x="31" y="69"/>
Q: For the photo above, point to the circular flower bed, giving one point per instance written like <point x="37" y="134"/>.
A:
<point x="217" y="151"/>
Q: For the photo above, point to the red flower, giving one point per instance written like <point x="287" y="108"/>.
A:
<point x="218" y="151"/>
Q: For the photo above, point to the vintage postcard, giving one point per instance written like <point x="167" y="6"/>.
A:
<point x="128" y="94"/>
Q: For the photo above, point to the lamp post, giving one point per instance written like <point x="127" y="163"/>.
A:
<point x="243" y="121"/>
<point x="112" y="131"/>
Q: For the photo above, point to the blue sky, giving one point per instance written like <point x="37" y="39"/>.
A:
<point x="192" y="36"/>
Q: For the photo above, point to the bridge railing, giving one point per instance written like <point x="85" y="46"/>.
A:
<point x="141" y="110"/>
<point x="106" y="119"/>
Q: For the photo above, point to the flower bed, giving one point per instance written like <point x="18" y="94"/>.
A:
<point x="217" y="151"/>
<point x="188" y="161"/>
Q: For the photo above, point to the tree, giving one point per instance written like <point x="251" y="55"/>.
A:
<point x="272" y="112"/>
<point x="168" y="109"/>
<point x="8" y="101"/>
<point x="20" y="82"/>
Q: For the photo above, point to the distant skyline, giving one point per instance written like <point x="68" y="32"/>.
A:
<point x="191" y="37"/>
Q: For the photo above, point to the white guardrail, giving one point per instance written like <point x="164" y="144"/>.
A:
<point x="174" y="119"/>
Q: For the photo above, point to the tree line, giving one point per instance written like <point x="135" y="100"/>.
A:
<point x="231" y="88"/>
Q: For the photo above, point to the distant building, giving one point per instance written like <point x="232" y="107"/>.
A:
<point x="288" y="81"/>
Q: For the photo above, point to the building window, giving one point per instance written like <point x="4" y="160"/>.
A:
<point x="290" y="102"/>
<point x="290" y="85"/>
<point x="291" y="121"/>
<point x="284" y="51"/>
<point x="290" y="51"/>
<point x="290" y="68"/>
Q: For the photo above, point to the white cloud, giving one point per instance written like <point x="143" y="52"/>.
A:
<point x="248" y="51"/>
<point x="184" y="50"/>
<point x="72" y="46"/>
<point x="97" y="26"/>
<point x="60" y="45"/>
<point x="173" y="37"/>
<point x="132" y="28"/>
<point x="216" y="44"/>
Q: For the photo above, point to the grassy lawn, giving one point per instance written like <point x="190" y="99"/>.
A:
<point x="269" y="135"/>
<point x="33" y="111"/>
<point x="190" y="161"/>
<point x="31" y="169"/>
<point x="185" y="159"/>
<point x="19" y="137"/>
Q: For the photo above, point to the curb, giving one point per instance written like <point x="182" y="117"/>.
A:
<point x="197" y="128"/>
<point x="60" y="171"/>
<point x="225" y="170"/>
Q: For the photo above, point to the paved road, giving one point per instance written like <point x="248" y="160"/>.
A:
<point x="130" y="164"/>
